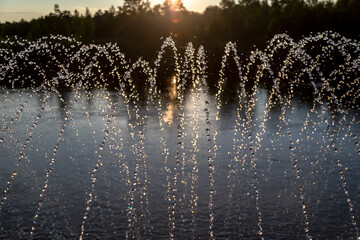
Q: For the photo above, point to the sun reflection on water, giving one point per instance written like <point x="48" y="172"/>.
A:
<point x="168" y="115"/>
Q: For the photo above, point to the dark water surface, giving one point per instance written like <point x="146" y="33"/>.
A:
<point x="330" y="197"/>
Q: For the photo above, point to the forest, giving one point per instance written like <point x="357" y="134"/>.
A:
<point x="138" y="28"/>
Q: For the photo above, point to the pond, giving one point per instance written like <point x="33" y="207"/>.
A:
<point x="90" y="164"/>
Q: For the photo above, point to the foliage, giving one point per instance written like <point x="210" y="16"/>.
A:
<point x="137" y="27"/>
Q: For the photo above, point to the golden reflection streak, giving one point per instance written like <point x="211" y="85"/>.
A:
<point x="168" y="115"/>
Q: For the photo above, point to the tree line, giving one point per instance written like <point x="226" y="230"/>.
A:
<point x="138" y="28"/>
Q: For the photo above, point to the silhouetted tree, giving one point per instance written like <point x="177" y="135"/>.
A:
<point x="135" y="6"/>
<point x="138" y="28"/>
<point x="227" y="4"/>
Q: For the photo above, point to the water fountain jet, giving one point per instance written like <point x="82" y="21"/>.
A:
<point x="186" y="165"/>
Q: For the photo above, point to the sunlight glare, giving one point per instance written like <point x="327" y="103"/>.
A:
<point x="174" y="4"/>
<point x="171" y="107"/>
<point x="189" y="4"/>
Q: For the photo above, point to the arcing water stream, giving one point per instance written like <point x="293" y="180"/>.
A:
<point x="88" y="150"/>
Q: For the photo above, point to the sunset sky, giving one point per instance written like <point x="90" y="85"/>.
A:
<point x="15" y="10"/>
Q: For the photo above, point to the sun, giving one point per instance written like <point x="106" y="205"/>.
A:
<point x="174" y="3"/>
<point x="189" y="4"/>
